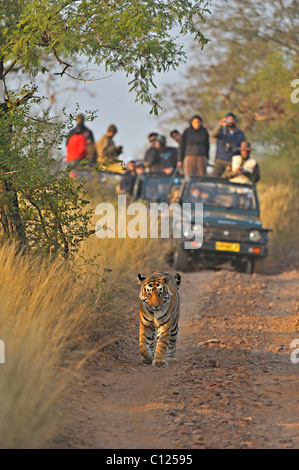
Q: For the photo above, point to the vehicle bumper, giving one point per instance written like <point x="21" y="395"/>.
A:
<point x="209" y="250"/>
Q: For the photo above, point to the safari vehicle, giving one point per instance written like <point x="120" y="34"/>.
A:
<point x="155" y="186"/>
<point x="232" y="231"/>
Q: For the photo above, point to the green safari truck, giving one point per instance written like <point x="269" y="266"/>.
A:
<point x="231" y="230"/>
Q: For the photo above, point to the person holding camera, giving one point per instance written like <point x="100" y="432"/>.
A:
<point x="229" y="139"/>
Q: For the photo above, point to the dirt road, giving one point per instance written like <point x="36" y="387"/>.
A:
<point x="234" y="386"/>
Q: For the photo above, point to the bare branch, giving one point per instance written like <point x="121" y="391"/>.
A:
<point x="10" y="68"/>
<point x="61" y="62"/>
<point x="85" y="79"/>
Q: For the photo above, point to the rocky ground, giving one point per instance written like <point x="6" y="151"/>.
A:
<point x="234" y="386"/>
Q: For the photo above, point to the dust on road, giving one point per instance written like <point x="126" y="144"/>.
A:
<point x="234" y="386"/>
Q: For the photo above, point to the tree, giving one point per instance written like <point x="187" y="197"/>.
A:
<point x="247" y="67"/>
<point x="132" y="36"/>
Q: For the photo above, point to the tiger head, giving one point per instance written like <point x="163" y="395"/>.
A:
<point x="155" y="291"/>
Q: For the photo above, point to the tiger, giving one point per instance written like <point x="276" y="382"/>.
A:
<point x="159" y="311"/>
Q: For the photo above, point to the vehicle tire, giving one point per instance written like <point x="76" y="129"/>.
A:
<point x="259" y="265"/>
<point x="180" y="260"/>
<point x="245" y="266"/>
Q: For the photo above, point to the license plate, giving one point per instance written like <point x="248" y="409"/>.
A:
<point x="225" y="246"/>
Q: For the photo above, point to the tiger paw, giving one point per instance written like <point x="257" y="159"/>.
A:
<point x="160" y="363"/>
<point x="147" y="357"/>
<point x="146" y="361"/>
<point x="172" y="359"/>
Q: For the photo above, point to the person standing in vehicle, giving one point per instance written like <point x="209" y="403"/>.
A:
<point x="80" y="128"/>
<point x="151" y="157"/>
<point x="168" y="156"/>
<point x="194" y="148"/>
<point x="229" y="139"/>
<point x="106" y="148"/>
<point x="244" y="168"/>
<point x="75" y="152"/>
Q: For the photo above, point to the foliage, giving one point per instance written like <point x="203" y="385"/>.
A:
<point x="52" y="211"/>
<point x="133" y="36"/>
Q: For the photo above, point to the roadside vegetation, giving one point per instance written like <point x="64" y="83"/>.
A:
<point x="55" y="315"/>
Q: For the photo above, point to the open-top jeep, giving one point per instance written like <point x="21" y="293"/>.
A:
<point x="232" y="231"/>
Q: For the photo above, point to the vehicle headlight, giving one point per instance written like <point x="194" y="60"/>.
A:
<point x="255" y="236"/>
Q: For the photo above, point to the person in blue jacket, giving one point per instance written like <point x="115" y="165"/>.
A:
<point x="229" y="139"/>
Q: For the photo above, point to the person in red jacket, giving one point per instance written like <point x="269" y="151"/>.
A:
<point x="76" y="150"/>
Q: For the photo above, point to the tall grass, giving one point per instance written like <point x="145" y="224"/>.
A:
<point x="279" y="202"/>
<point x="53" y="315"/>
<point x="44" y="312"/>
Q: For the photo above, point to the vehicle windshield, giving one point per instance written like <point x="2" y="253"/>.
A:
<point x="157" y="188"/>
<point x="229" y="196"/>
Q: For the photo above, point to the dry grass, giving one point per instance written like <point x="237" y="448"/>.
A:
<point x="52" y="317"/>
<point x="279" y="204"/>
<point x="44" y="312"/>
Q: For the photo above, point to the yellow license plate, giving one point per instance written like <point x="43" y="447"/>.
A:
<point x="225" y="246"/>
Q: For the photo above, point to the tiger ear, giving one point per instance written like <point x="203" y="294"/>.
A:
<point x="165" y="278"/>
<point x="178" y="279"/>
<point x="140" y="278"/>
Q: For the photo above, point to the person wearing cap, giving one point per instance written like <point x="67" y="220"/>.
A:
<point x="194" y="148"/>
<point x="244" y="168"/>
<point x="106" y="148"/>
<point x="151" y="156"/>
<point x="80" y="128"/>
<point x="168" y="156"/>
<point x="229" y="139"/>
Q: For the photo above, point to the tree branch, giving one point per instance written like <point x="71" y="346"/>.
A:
<point x="61" y="62"/>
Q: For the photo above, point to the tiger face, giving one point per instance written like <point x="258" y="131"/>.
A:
<point x="155" y="293"/>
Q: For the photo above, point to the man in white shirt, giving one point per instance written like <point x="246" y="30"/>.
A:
<point x="244" y="168"/>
